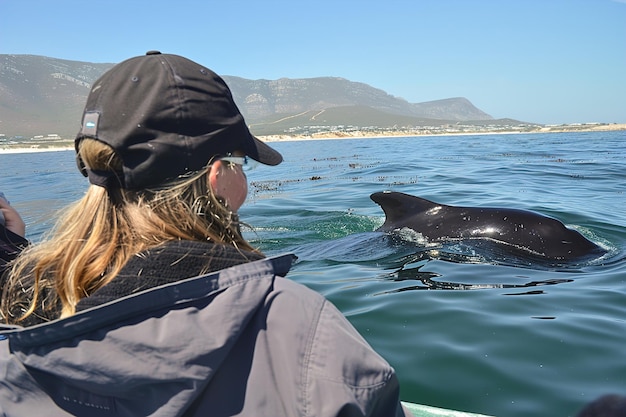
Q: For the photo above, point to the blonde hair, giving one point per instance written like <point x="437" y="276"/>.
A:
<point x="99" y="233"/>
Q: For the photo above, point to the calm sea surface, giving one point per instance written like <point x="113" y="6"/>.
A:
<point x="477" y="332"/>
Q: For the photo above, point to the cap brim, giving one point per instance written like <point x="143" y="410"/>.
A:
<point x="265" y="154"/>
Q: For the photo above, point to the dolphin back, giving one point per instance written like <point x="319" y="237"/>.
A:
<point x="522" y="229"/>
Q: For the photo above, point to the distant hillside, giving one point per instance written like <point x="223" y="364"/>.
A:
<point x="340" y="116"/>
<point x="258" y="99"/>
<point x="41" y="95"/>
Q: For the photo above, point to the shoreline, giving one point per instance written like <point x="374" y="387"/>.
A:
<point x="400" y="133"/>
<point x="69" y="144"/>
<point x="35" y="150"/>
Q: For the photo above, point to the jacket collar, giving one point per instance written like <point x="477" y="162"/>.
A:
<point x="158" y="298"/>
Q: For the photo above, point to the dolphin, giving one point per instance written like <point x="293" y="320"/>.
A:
<point x="522" y="229"/>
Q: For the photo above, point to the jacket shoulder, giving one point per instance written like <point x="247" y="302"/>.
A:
<point x="341" y="374"/>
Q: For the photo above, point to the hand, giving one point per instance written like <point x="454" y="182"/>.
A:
<point x="12" y="219"/>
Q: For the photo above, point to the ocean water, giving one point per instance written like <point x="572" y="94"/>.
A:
<point x="480" y="331"/>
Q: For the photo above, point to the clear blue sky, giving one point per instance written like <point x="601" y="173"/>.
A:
<point x="546" y="61"/>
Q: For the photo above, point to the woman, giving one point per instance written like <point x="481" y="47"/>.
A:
<point x="146" y="299"/>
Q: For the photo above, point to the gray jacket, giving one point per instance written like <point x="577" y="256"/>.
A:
<point x="243" y="341"/>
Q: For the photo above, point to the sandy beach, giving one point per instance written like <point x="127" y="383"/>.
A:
<point x="405" y="133"/>
<point x="68" y="144"/>
<point x="17" y="149"/>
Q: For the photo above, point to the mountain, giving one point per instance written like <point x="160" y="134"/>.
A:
<point x="43" y="96"/>
<point x="40" y="95"/>
<point x="262" y="98"/>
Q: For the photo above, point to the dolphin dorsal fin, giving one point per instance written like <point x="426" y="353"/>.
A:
<point x="397" y="205"/>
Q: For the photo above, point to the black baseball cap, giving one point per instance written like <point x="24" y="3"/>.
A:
<point x="164" y="115"/>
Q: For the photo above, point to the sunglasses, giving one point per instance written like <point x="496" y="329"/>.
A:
<point x="246" y="163"/>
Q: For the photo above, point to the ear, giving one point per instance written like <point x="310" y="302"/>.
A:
<point x="228" y="183"/>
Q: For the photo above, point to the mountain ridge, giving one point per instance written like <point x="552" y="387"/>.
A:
<point x="42" y="95"/>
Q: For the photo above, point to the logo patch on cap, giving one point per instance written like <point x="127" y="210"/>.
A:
<point x="90" y="124"/>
